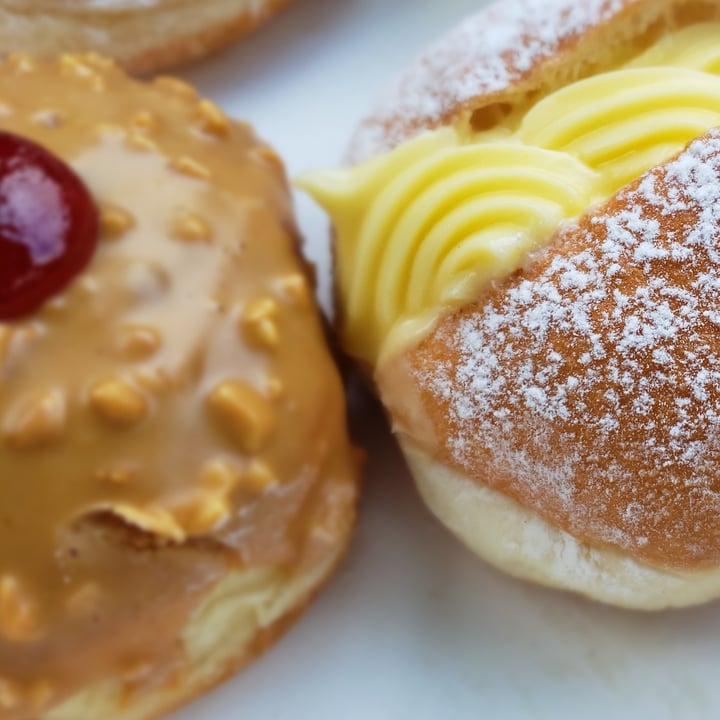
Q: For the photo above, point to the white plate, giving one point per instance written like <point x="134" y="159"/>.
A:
<point x="414" y="627"/>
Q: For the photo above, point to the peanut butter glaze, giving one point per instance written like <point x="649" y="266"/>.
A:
<point x="179" y="392"/>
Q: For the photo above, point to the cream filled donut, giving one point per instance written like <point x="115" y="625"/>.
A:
<point x="144" y="35"/>
<point x="177" y="480"/>
<point x="528" y="264"/>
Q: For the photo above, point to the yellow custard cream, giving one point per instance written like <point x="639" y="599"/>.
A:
<point x="423" y="228"/>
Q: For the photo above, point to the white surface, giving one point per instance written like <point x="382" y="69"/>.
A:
<point x="415" y="627"/>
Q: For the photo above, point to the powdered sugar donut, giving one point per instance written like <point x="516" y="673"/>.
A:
<point x="528" y="265"/>
<point x="144" y="35"/>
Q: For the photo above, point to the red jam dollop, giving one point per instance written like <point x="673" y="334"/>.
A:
<point x="49" y="226"/>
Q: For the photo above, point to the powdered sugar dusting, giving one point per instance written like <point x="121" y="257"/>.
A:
<point x="484" y="54"/>
<point x="593" y="378"/>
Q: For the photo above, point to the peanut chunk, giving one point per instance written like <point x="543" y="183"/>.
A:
<point x="258" y="324"/>
<point x="190" y="167"/>
<point x="268" y="155"/>
<point x="212" y="119"/>
<point x="118" y="402"/>
<point x="115" y="221"/>
<point x="138" y="342"/>
<point x="294" y="288"/>
<point x="36" y="422"/>
<point x="189" y="227"/>
<point x="206" y="510"/>
<point x="244" y="413"/>
<point x="208" y="515"/>
<point x="219" y="476"/>
<point x="259" y="477"/>
<point x="138" y="141"/>
<point x="144" y="120"/>
<point x="76" y="66"/>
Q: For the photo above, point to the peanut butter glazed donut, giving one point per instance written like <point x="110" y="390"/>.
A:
<point x="144" y="35"/>
<point x="528" y="264"/>
<point x="177" y="479"/>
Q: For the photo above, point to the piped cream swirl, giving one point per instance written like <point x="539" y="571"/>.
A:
<point x="425" y="227"/>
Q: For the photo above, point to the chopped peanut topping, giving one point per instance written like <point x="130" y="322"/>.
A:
<point x="258" y="324"/>
<point x="192" y="168"/>
<point x="36" y="422"/>
<point x="138" y="141"/>
<point x="138" y="342"/>
<point x="259" y="477"/>
<point x="190" y="227"/>
<point x="244" y="413"/>
<point x="115" y="221"/>
<point x="268" y="155"/>
<point x="295" y="289"/>
<point x="118" y="402"/>
<point x="144" y="120"/>
<point x="213" y="120"/>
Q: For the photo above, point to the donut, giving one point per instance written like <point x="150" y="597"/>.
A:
<point x="143" y="35"/>
<point x="527" y="268"/>
<point x="177" y="478"/>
